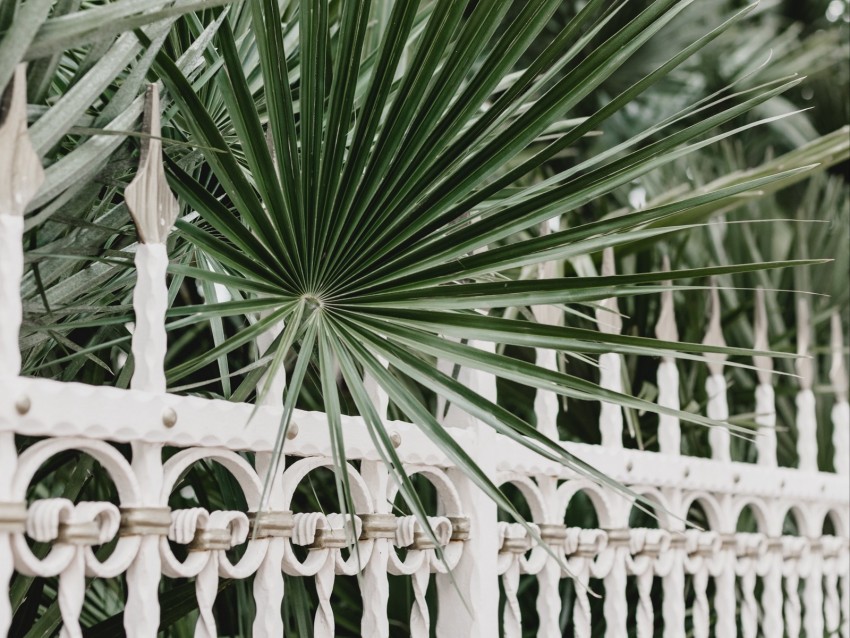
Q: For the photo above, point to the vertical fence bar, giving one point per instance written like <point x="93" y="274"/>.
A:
<point x="469" y="598"/>
<point x="807" y="444"/>
<point x="609" y="321"/>
<point x="268" y="582"/>
<point x="715" y="385"/>
<point x="380" y="525"/>
<point x="154" y="209"/>
<point x="841" y="408"/>
<point x="669" y="442"/>
<point x="546" y="410"/>
<point x="545" y="402"/>
<point x="813" y="589"/>
<point x="21" y="173"/>
<point x="669" y="429"/>
<point x="771" y="598"/>
<point x="765" y="402"/>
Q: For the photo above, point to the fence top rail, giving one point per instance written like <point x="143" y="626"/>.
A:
<point x="43" y="407"/>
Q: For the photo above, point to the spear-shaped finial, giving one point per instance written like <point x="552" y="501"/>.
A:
<point x="804" y="364"/>
<point x="837" y="370"/>
<point x="152" y="205"/>
<point x="21" y="176"/>
<point x="714" y="334"/>
<point x="666" y="329"/>
<point x="763" y="364"/>
<point x="608" y="314"/>
<point x="18" y="160"/>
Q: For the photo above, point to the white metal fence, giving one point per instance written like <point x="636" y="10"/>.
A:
<point x="802" y="582"/>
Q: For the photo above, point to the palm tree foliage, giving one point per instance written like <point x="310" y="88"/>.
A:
<point x="357" y="208"/>
<point x="373" y="176"/>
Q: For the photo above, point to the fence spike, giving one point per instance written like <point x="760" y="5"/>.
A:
<point x="153" y="209"/>
<point x="804" y="364"/>
<point x="18" y="158"/>
<point x="21" y="176"/>
<point x="608" y="313"/>
<point x="765" y="396"/>
<point x="665" y="328"/>
<point x="715" y="385"/>
<point x="669" y="431"/>
<point x="714" y="334"/>
<point x="807" y="444"/>
<point x="763" y="363"/>
<point x="152" y="205"/>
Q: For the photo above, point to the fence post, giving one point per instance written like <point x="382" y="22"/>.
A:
<point x="22" y="175"/>
<point x="469" y="598"/>
<point x="268" y="582"/>
<point x="546" y="408"/>
<point x="154" y="209"/>
<point x="765" y="402"/>
<point x="380" y="525"/>
<point x="807" y="444"/>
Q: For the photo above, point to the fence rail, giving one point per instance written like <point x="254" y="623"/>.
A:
<point x="802" y="582"/>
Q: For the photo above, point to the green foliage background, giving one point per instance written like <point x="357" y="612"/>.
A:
<point x="87" y="73"/>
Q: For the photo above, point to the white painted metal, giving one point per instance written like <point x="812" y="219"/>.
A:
<point x="715" y="385"/>
<point x="807" y="442"/>
<point x="669" y="429"/>
<point x="765" y="405"/>
<point x="610" y="366"/>
<point x="805" y="579"/>
<point x="22" y="175"/>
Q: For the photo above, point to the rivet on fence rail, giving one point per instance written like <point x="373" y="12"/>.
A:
<point x="765" y="406"/>
<point x="715" y="384"/>
<point x="807" y="445"/>
<point x="153" y="209"/>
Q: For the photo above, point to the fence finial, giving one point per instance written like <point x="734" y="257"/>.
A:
<point x="152" y="204"/>
<point x="18" y="158"/>
<point x="805" y="363"/>
<point x="714" y="334"/>
<point x="665" y="328"/>
<point x="763" y="363"/>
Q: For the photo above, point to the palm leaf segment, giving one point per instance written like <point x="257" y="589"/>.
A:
<point x="369" y="197"/>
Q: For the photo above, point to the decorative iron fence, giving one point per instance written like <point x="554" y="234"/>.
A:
<point x="480" y="550"/>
